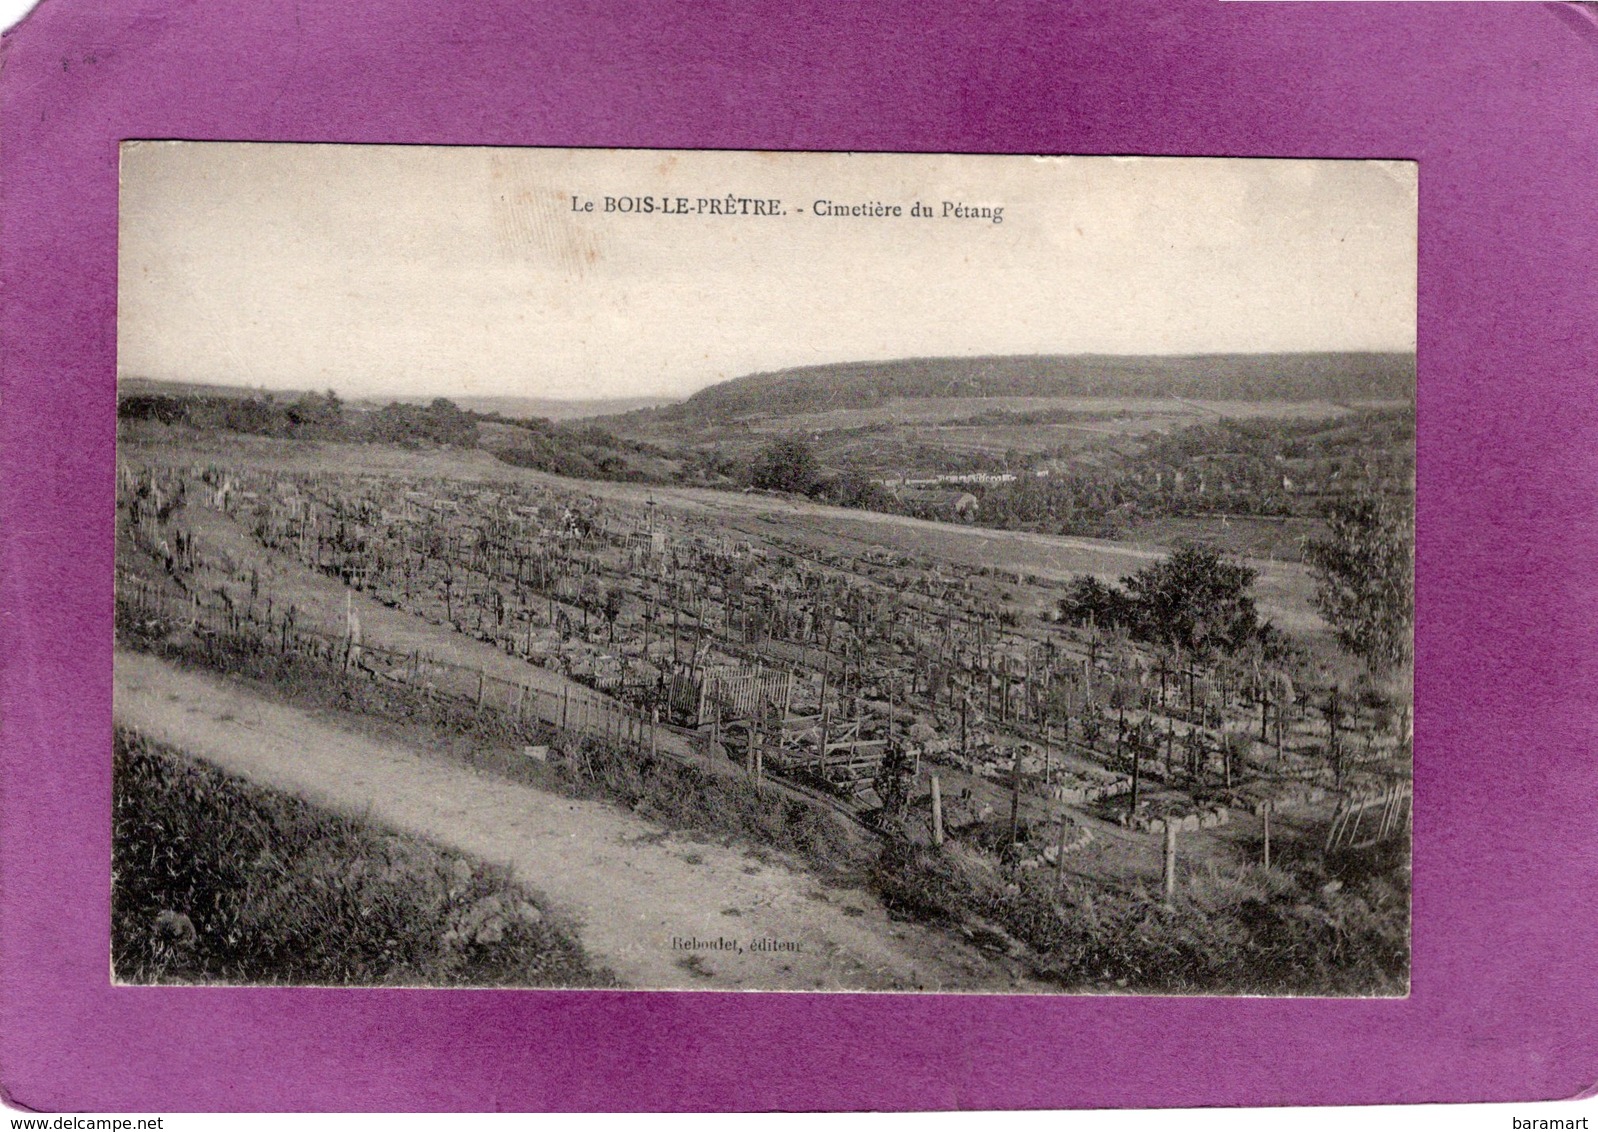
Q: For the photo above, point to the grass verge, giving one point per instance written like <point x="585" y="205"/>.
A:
<point x="1240" y="930"/>
<point x="218" y="880"/>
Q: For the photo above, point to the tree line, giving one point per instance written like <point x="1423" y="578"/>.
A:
<point x="310" y="416"/>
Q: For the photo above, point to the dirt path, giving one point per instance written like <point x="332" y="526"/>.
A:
<point x="631" y="888"/>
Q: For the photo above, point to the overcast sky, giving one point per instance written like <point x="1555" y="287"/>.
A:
<point x="379" y="270"/>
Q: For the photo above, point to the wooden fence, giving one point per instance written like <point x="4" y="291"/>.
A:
<point x="574" y="709"/>
<point x="1362" y="822"/>
<point x="747" y="695"/>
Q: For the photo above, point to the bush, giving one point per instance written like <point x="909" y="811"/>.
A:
<point x="1089" y="601"/>
<point x="1195" y="600"/>
<point x="788" y="463"/>
<point x="921" y="883"/>
<point x="441" y="421"/>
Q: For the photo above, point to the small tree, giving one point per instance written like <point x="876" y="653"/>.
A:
<point x="1195" y="600"/>
<point x="1365" y="577"/>
<point x="788" y="463"/>
<point x="894" y="780"/>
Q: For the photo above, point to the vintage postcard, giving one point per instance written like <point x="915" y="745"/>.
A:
<point x="763" y="571"/>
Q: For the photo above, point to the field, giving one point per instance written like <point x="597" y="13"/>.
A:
<point x="887" y="703"/>
<point x="1247" y="477"/>
<point x="1102" y="414"/>
<point x="965" y="426"/>
<point x="1284" y="589"/>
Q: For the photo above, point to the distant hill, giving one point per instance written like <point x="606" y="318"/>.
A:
<point x="516" y="408"/>
<point x="1336" y="377"/>
<point x="161" y="387"/>
<point x="530" y="408"/>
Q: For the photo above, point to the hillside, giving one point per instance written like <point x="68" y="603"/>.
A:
<point x="546" y="408"/>
<point x="513" y="407"/>
<point x="1335" y="377"/>
<point x="162" y="387"/>
<point x="146" y="408"/>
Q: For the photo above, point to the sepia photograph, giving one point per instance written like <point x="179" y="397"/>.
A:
<point x="767" y="571"/>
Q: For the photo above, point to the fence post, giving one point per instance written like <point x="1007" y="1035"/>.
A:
<point x="1015" y="796"/>
<point x="937" y="813"/>
<point x="1059" y="861"/>
<point x="1169" y="878"/>
<point x="1137" y="778"/>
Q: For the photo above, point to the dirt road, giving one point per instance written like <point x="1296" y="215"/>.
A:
<point x="641" y="897"/>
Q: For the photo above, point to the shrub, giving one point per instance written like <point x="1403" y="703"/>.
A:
<point x="788" y="463"/>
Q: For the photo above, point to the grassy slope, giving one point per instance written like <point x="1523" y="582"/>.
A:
<point x="1285" y="377"/>
<point x="216" y="879"/>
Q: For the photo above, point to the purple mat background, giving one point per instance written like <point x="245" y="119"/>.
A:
<point x="1498" y="102"/>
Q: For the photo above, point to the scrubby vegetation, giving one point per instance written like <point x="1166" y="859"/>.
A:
<point x="310" y="416"/>
<point x="219" y="880"/>
<point x="1242" y="930"/>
